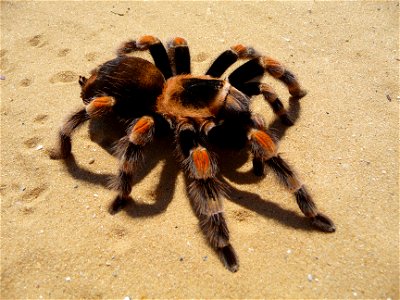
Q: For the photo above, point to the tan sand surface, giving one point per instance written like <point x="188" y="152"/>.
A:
<point x="59" y="241"/>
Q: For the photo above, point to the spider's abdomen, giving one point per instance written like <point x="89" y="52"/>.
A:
<point x="135" y="83"/>
<point x="188" y="96"/>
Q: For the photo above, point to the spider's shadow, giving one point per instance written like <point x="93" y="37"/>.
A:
<point x="229" y="163"/>
<point x="105" y="132"/>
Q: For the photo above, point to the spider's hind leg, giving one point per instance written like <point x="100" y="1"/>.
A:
<point x="206" y="192"/>
<point x="264" y="150"/>
<point x="258" y="65"/>
<point x="179" y="55"/>
<point x="257" y="88"/>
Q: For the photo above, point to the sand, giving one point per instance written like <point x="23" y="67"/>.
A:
<point x="59" y="241"/>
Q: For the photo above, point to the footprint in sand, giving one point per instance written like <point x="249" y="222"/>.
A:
<point x="3" y="52"/>
<point x="41" y="118"/>
<point x="64" y="77"/>
<point x="32" y="142"/>
<point x="91" y="56"/>
<point x="118" y="232"/>
<point x="25" y="82"/>
<point x="33" y="194"/>
<point x="30" y="198"/>
<point x="6" y="66"/>
<point x="201" y="57"/>
<point x="63" y="52"/>
<point x="241" y="215"/>
<point x="37" y="41"/>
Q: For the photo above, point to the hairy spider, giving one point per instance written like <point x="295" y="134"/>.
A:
<point x="198" y="110"/>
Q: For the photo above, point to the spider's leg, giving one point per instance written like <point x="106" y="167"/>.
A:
<point x="228" y="58"/>
<point x="130" y="151"/>
<point x="96" y="108"/>
<point x="206" y="192"/>
<point x="74" y="121"/>
<point x="264" y="150"/>
<point x="257" y="88"/>
<point x="156" y="48"/>
<point x="258" y="65"/>
<point x="179" y="55"/>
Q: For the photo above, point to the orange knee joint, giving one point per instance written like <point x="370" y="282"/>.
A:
<point x="263" y="144"/>
<point x="202" y="167"/>
<point x="142" y="131"/>
<point x="273" y="67"/>
<point x="178" y="41"/>
<point x="244" y="52"/>
<point x="144" y="42"/>
<point x="100" y="106"/>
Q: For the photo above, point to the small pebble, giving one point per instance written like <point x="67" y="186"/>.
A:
<point x="127" y="298"/>
<point x="91" y="161"/>
<point x="76" y="186"/>
<point x="2" y="77"/>
<point x="289" y="251"/>
<point x="68" y="279"/>
<point x="205" y="258"/>
<point x="39" y="147"/>
<point x="310" y="277"/>
<point x="95" y="195"/>
<point x="181" y="258"/>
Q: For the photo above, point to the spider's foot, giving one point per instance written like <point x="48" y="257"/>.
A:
<point x="117" y="205"/>
<point x="229" y="258"/>
<point x="61" y="153"/>
<point x="55" y="154"/>
<point x="324" y="223"/>
<point x="299" y="94"/>
<point x="63" y="149"/>
<point x="286" y="120"/>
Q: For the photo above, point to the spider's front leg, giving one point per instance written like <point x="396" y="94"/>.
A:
<point x="179" y="54"/>
<point x="130" y="151"/>
<point x="206" y="192"/>
<point x="98" y="106"/>
<point x="156" y="48"/>
<point x="264" y="150"/>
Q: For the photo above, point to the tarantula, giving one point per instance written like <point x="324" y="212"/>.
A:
<point x="198" y="110"/>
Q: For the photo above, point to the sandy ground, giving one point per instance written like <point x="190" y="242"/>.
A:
<point x="57" y="238"/>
